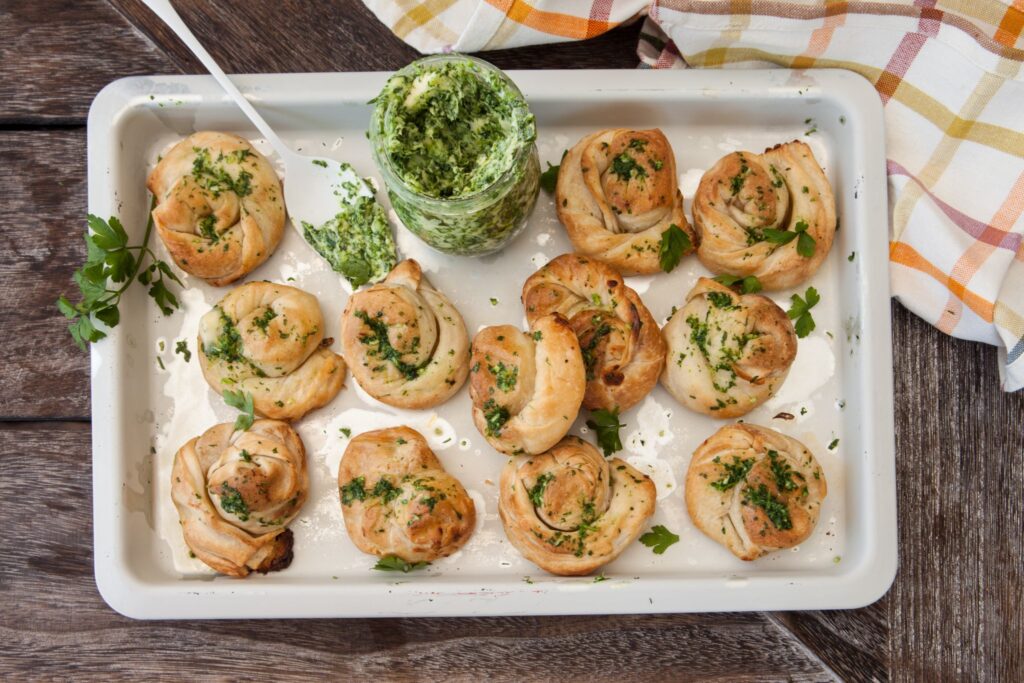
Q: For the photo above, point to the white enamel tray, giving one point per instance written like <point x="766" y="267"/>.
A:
<point x="840" y="386"/>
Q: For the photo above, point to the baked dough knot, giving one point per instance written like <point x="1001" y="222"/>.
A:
<point x="622" y="348"/>
<point x="755" y="213"/>
<point x="727" y="353"/>
<point x="397" y="499"/>
<point x="405" y="342"/>
<point x="617" y="194"/>
<point x="236" y="492"/>
<point x="526" y="388"/>
<point x="268" y="339"/>
<point x="569" y="510"/>
<point x="754" y="490"/>
<point x="219" y="206"/>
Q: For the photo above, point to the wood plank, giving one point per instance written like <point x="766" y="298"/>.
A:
<point x="43" y="188"/>
<point x="955" y="612"/>
<point x="57" y="55"/>
<point x="55" y="623"/>
<point x="341" y="36"/>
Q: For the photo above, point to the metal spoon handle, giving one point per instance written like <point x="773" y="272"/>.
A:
<point x="170" y="16"/>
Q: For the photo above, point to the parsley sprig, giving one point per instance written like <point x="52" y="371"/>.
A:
<point x="393" y="563"/>
<point x="659" y="539"/>
<point x="242" y="400"/>
<point x="747" y="285"/>
<point x="674" y="243"/>
<point x="805" y="244"/>
<point x="800" y="311"/>
<point x="109" y="259"/>
<point x="606" y="425"/>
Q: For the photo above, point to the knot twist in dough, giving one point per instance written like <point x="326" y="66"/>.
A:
<point x="220" y="209"/>
<point x="727" y="353"/>
<point x="622" y="347"/>
<point x="404" y="341"/>
<point x="570" y="511"/>
<point x="526" y="388"/>
<point x="268" y="339"/>
<point x="236" y="492"/>
<point x="754" y="490"/>
<point x="398" y="500"/>
<point x="750" y="211"/>
<point x="617" y="194"/>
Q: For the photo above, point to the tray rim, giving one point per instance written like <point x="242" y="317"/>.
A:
<point x="134" y="596"/>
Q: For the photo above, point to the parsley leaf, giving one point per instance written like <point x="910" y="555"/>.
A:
<point x="109" y="259"/>
<point x="800" y="311"/>
<point x="778" y="236"/>
<point x="805" y="245"/>
<point x="674" y="243"/>
<point x="549" y="178"/>
<point x="537" y="491"/>
<point x="748" y="285"/>
<point x="393" y="563"/>
<point x="606" y="424"/>
<point x="242" y="400"/>
<point x="659" y="539"/>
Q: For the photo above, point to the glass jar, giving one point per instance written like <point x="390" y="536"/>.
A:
<point x="459" y="190"/>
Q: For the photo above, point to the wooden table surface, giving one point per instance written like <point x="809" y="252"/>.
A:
<point x="954" y="612"/>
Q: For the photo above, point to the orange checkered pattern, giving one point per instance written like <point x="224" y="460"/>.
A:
<point x="950" y="75"/>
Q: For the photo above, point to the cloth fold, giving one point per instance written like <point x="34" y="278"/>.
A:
<point x="951" y="79"/>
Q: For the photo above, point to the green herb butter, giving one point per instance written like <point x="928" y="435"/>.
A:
<point x="454" y="139"/>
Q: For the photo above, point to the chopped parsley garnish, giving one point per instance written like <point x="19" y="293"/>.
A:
<point x="782" y="472"/>
<point x="385" y="490"/>
<point x="626" y="167"/>
<point x="588" y="350"/>
<point x="537" y="336"/>
<point x="674" y="243"/>
<point x="505" y="376"/>
<point x="231" y="501"/>
<point x="264" y="320"/>
<point x="735" y="472"/>
<point x="776" y="510"/>
<point x="243" y="402"/>
<point x="832" y="446"/>
<point x="380" y="344"/>
<point x="800" y="311"/>
<point x="606" y="425"/>
<point x="228" y="346"/>
<point x="720" y="300"/>
<point x="214" y="178"/>
<point x="353" y="491"/>
<point x="181" y="347"/>
<point x="245" y="455"/>
<point x="537" y="490"/>
<point x="659" y="539"/>
<point x="208" y="229"/>
<point x="496" y="416"/>
<point x="393" y="563"/>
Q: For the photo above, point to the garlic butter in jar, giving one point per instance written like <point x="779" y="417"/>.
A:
<point x="455" y="142"/>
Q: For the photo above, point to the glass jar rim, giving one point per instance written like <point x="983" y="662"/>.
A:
<point x="395" y="183"/>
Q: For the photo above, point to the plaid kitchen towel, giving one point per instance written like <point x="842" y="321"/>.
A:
<point x="951" y="78"/>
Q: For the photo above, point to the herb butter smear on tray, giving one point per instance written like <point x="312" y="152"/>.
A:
<point x="454" y="140"/>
